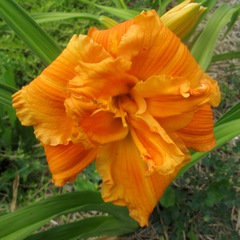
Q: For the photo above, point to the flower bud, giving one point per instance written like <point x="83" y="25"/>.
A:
<point x="183" y="18"/>
<point x="107" y="22"/>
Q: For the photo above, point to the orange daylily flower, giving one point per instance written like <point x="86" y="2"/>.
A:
<point x="133" y="98"/>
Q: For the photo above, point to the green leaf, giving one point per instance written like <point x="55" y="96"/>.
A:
<point x="30" y="218"/>
<point x="169" y="198"/>
<point x="124" y="14"/>
<point x="7" y="87"/>
<point x="86" y="228"/>
<point x="203" y="48"/>
<point x="223" y="133"/>
<point x="216" y="192"/>
<point x="230" y="115"/>
<point x="29" y="31"/>
<point x="233" y="20"/>
<point x="4" y="101"/>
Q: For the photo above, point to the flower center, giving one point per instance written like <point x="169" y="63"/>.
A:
<point x="122" y="113"/>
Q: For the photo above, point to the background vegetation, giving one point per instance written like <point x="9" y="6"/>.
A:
<point x="203" y="204"/>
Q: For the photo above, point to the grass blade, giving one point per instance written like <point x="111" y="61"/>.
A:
<point x="6" y="92"/>
<point x="32" y="34"/>
<point x="57" y="16"/>
<point x="8" y="88"/>
<point x="120" y="4"/>
<point x="162" y="6"/>
<point x="225" y="56"/>
<point x="5" y="102"/>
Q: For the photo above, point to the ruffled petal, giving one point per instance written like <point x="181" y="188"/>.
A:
<point x="155" y="50"/>
<point x="158" y="149"/>
<point x="66" y="161"/>
<point x="41" y="103"/>
<point x="102" y="80"/>
<point x="168" y="96"/>
<point x="96" y="122"/>
<point x="124" y="182"/>
<point x="103" y="127"/>
<point x="163" y="85"/>
<point x="198" y="134"/>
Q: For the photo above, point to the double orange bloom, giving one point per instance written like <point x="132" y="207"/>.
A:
<point x="132" y="98"/>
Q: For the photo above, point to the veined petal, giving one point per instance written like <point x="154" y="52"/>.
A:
<point x="66" y="161"/>
<point x="41" y="103"/>
<point x="111" y="37"/>
<point x="155" y="50"/>
<point x="124" y="181"/>
<point x="174" y="123"/>
<point x="198" y="134"/>
<point x="79" y="48"/>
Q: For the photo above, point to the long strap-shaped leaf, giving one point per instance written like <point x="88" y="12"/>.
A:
<point x="29" y="31"/>
<point x="203" y="48"/>
<point x="85" y="229"/>
<point x="5" y="94"/>
<point x="57" y="16"/>
<point x="25" y="221"/>
<point x="225" y="56"/>
<point x="162" y="6"/>
<point x="230" y="115"/>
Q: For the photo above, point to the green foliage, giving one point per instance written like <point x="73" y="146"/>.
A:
<point x="88" y="180"/>
<point x="124" y="14"/>
<point x="208" y="37"/>
<point x="86" y="228"/>
<point x="38" y="214"/>
<point x="120" y="4"/>
<point x="206" y="201"/>
<point x="34" y="36"/>
<point x="211" y="195"/>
